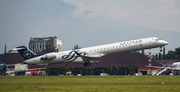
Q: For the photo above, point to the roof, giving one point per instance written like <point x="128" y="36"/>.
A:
<point x="163" y="62"/>
<point x="122" y="60"/>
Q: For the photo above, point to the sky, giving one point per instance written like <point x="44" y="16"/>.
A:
<point x="89" y="22"/>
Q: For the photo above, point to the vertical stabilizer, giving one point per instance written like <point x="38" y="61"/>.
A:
<point x="25" y="52"/>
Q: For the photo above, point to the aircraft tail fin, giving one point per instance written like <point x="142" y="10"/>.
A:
<point x="3" y="66"/>
<point x="25" y="52"/>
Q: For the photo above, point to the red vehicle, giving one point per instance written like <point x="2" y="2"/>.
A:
<point x="35" y="72"/>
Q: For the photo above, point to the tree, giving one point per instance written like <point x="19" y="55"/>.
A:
<point x="156" y="56"/>
<point x="115" y="69"/>
<point x="177" y="52"/>
<point x="160" y="56"/>
<point x="76" y="47"/>
<point x="92" y="68"/>
<point x="153" y="57"/>
<point x="64" y="69"/>
<point x="164" y="54"/>
<point x="171" y="55"/>
<point x="131" y="69"/>
<point x="110" y="70"/>
<point x="49" y="47"/>
<point x="47" y="70"/>
<point x="87" y="71"/>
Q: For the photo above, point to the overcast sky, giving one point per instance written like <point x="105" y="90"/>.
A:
<point x="88" y="22"/>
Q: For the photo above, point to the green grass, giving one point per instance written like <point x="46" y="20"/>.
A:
<point x="91" y="84"/>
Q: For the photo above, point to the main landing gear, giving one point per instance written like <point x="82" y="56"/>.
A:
<point x="87" y="63"/>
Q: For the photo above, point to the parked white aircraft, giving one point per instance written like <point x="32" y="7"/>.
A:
<point x="175" y="66"/>
<point x="169" y="66"/>
<point x="89" y="53"/>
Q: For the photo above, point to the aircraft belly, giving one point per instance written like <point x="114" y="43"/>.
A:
<point x="79" y="59"/>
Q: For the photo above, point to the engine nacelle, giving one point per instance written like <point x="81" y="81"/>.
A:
<point x="48" y="56"/>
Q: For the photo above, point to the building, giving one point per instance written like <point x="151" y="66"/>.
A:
<point x="138" y="62"/>
<point x="39" y="43"/>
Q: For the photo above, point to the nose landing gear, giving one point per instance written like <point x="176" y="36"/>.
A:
<point x="160" y="49"/>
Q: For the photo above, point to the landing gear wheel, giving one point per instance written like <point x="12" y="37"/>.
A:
<point x="160" y="49"/>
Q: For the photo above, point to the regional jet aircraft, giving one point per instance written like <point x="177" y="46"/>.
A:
<point x="89" y="53"/>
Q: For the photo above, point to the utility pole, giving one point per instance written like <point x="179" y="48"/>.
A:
<point x="149" y="71"/>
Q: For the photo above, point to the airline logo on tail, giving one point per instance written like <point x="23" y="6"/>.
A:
<point x="27" y="54"/>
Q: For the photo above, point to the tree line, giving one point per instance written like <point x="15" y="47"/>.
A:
<point x="171" y="54"/>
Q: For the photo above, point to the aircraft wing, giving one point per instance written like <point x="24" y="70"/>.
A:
<point x="89" y="57"/>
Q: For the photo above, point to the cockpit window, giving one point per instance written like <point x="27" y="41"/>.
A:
<point x="157" y="39"/>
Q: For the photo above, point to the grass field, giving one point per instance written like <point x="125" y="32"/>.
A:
<point x="91" y="84"/>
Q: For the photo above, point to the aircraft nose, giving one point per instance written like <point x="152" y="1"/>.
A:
<point x="165" y="42"/>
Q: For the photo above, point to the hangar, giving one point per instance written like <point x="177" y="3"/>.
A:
<point x="127" y="63"/>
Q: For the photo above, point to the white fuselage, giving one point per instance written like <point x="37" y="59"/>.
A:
<point x="175" y="66"/>
<point x="99" y="51"/>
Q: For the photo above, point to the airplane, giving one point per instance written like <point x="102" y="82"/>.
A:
<point x="84" y="55"/>
<point x="175" y="66"/>
<point x="3" y="65"/>
<point x="167" y="67"/>
<point x="11" y="72"/>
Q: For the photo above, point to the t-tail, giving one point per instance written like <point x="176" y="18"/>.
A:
<point x="25" y="52"/>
